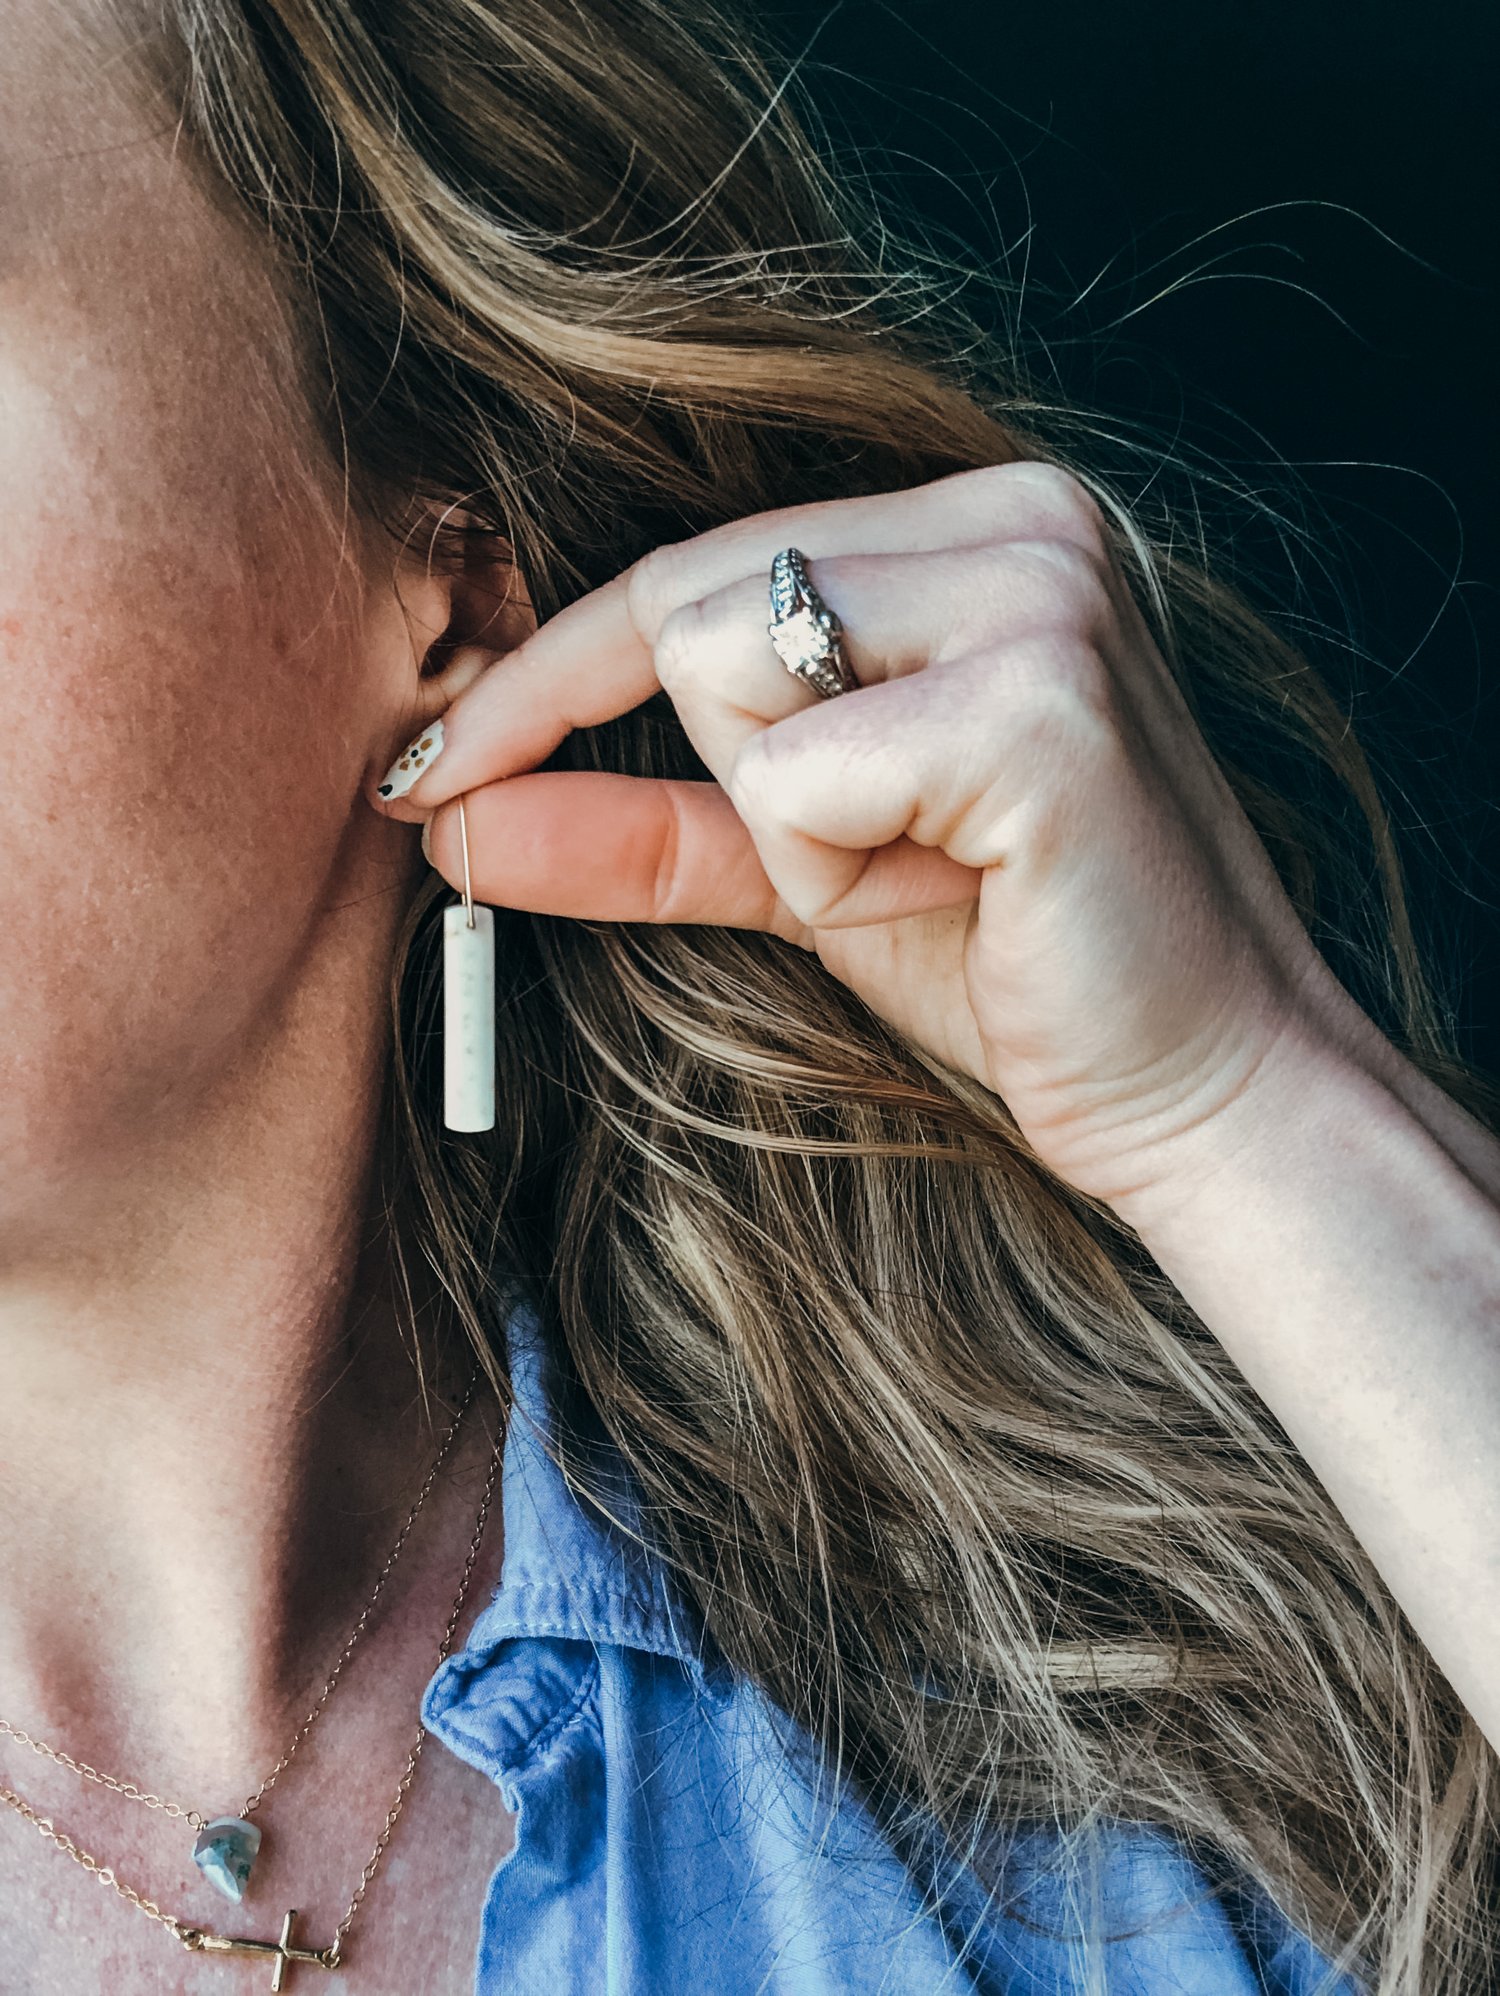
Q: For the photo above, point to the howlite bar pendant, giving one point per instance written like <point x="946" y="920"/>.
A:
<point x="468" y="1018"/>
<point x="225" y="1853"/>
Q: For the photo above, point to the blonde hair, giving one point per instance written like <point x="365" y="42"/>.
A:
<point x="952" y="1471"/>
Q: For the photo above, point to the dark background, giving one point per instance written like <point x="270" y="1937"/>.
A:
<point x="1331" y="339"/>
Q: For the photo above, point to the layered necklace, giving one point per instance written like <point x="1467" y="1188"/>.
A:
<point x="225" y="1847"/>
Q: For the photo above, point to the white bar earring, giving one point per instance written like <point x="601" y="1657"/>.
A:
<point x="468" y="1007"/>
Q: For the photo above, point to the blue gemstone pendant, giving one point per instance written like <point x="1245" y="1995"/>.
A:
<point x="225" y="1853"/>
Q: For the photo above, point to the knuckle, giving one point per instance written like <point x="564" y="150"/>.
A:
<point x="666" y="883"/>
<point x="1061" y="684"/>
<point x="993" y="482"/>
<point x="754" y="777"/>
<point x="1067" y="584"/>
<point x="769" y="780"/>
<point x="656" y="585"/>
<point x="1067" y="503"/>
<point x="680" y="643"/>
<point x="1032" y="497"/>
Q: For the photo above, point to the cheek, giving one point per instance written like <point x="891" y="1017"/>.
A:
<point x="181" y="750"/>
<point x="185" y="667"/>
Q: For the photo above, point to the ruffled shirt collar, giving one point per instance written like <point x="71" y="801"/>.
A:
<point x="568" y="1571"/>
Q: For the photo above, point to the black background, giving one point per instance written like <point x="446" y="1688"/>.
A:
<point x="1270" y="232"/>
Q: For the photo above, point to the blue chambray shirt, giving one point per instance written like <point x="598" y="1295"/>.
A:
<point x="667" y="1845"/>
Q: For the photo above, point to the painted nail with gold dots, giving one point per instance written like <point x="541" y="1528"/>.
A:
<point x="417" y="757"/>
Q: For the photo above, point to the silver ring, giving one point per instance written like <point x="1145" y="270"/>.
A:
<point x="807" y="635"/>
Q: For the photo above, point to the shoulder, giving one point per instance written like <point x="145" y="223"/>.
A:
<point x="675" y="1830"/>
<point x="673" y="1827"/>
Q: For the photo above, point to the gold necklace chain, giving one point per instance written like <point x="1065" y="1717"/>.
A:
<point x="194" y="1818"/>
<point x="282" y="1953"/>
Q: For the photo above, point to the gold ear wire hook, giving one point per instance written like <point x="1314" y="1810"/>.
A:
<point x="463" y="828"/>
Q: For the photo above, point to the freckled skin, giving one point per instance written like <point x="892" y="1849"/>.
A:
<point x="195" y="680"/>
<point x="202" y="665"/>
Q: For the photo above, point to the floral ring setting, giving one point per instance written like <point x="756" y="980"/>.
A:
<point x="807" y="635"/>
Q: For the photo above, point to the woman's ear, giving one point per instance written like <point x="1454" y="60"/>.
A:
<point x="466" y="605"/>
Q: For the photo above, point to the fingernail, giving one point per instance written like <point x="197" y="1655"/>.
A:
<point x="414" y="760"/>
<point x="426" y="840"/>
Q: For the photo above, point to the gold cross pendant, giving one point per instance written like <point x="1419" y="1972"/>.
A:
<point x="282" y="1951"/>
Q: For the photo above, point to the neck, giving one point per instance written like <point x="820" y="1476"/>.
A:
<point x="212" y="1427"/>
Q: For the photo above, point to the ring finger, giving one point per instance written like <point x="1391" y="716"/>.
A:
<point x="900" y="614"/>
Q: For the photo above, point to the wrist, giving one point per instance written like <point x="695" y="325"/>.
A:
<point x="1307" y="1106"/>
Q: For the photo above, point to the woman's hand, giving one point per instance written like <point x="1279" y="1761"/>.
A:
<point x="1011" y="840"/>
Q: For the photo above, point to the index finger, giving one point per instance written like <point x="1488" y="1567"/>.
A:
<point x="595" y="659"/>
